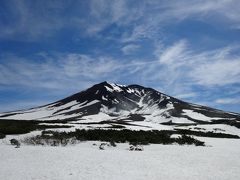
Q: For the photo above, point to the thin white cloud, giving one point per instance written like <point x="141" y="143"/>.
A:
<point x="159" y="14"/>
<point x="66" y="71"/>
<point x="177" y="67"/>
<point x="175" y="54"/>
<point x="223" y="10"/>
<point x="85" y="66"/>
<point x="186" y="95"/>
<point x="228" y="101"/>
<point x="29" y="21"/>
<point x="140" y="19"/>
<point x="217" y="72"/>
<point x="24" y="104"/>
<point x="215" y="67"/>
<point x="130" y="48"/>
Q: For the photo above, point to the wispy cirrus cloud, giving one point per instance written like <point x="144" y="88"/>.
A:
<point x="219" y="72"/>
<point x="208" y="68"/>
<point x="143" y="19"/>
<point x="177" y="70"/>
<point x="176" y="64"/>
<point x="58" y="71"/>
<point x="26" y="104"/>
<point x="186" y="95"/>
<point x="228" y="101"/>
<point x="190" y="74"/>
<point x="175" y="55"/>
<point x="130" y="48"/>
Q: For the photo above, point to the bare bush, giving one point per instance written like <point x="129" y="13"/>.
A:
<point x="15" y="143"/>
<point x="136" y="148"/>
<point x="50" y="141"/>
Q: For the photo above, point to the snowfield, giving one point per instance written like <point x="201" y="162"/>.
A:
<point x="219" y="160"/>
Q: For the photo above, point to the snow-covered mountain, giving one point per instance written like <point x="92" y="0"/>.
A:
<point x="134" y="107"/>
<point x="107" y="104"/>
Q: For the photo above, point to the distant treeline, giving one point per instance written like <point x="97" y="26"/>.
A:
<point x="8" y="127"/>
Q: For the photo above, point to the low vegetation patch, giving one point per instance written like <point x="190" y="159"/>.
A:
<point x="112" y="136"/>
<point x="206" y="134"/>
<point x="2" y="136"/>
<point x="15" y="142"/>
<point x="235" y="123"/>
<point x="8" y="127"/>
<point x="50" y="138"/>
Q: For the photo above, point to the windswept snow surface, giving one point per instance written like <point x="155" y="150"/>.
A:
<point x="219" y="161"/>
<point x="196" y="115"/>
<point x="50" y="113"/>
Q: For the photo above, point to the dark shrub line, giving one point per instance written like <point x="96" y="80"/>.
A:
<point x="119" y="136"/>
<point x="2" y="136"/>
<point x="8" y="127"/>
<point x="206" y="134"/>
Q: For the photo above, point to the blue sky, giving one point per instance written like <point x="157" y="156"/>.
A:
<point x="188" y="49"/>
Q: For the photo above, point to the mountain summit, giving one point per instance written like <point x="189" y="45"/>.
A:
<point x="108" y="104"/>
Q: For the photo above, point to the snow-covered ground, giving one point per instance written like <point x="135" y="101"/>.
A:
<point x="219" y="160"/>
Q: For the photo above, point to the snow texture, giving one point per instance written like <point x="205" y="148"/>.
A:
<point x="196" y="115"/>
<point x="219" y="160"/>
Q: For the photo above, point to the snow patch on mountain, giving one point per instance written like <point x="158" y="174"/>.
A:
<point x="116" y="87"/>
<point x="196" y="115"/>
